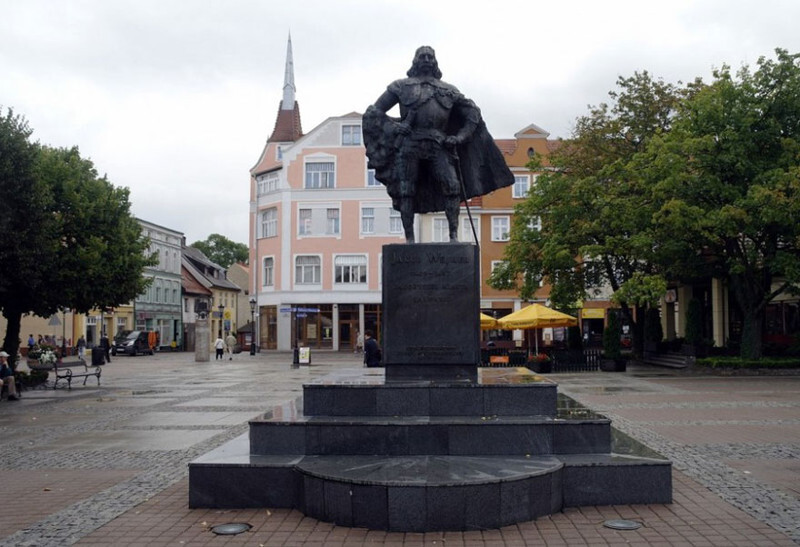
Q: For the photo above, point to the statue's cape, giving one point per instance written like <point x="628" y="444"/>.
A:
<point x="482" y="167"/>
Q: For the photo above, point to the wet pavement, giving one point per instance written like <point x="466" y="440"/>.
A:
<point x="107" y="465"/>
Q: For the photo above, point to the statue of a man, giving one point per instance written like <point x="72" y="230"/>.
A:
<point x="438" y="153"/>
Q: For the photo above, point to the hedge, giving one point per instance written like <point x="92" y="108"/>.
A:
<point x="738" y="362"/>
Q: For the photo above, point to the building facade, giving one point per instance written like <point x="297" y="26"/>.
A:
<point x="159" y="308"/>
<point x="216" y="294"/>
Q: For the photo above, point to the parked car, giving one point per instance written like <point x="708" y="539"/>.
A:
<point x="134" y="343"/>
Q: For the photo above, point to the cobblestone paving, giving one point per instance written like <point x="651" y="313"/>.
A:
<point x="272" y="382"/>
<point x="705" y="462"/>
<point x="41" y="433"/>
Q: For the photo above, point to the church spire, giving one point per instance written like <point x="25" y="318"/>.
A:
<point x="288" y="79"/>
<point x="287" y="125"/>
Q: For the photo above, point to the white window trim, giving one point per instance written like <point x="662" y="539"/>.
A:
<point x="435" y="233"/>
<point x="366" y="179"/>
<point x="338" y="232"/>
<point x="465" y="229"/>
<point x="321" y="158"/>
<point x="360" y="133"/>
<point x="395" y="215"/>
<point x="307" y="286"/>
<point x="514" y="193"/>
<point x="300" y="221"/>
<point x="263" y="224"/>
<point x="263" y="279"/>
<point x="361" y="220"/>
<point x="350" y="286"/>
<point x="496" y="237"/>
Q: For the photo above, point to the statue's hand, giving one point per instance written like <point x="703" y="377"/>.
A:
<point x="452" y="141"/>
<point x="403" y="128"/>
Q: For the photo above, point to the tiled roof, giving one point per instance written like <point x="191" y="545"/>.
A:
<point x="506" y="146"/>
<point x="287" y="125"/>
<point x="191" y="285"/>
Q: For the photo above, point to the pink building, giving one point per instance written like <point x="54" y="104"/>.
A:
<point x="318" y="221"/>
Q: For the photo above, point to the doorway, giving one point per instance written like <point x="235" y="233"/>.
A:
<point x="347" y="335"/>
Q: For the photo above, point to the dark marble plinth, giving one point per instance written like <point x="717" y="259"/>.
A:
<point x="495" y="392"/>
<point x="430" y="455"/>
<point x="431" y="309"/>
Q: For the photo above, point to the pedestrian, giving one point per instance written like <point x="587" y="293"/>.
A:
<point x="219" y="345"/>
<point x="81" y="347"/>
<point x="106" y="345"/>
<point x="7" y="377"/>
<point x="372" y="353"/>
<point x="359" y="342"/>
<point x="230" y="342"/>
<point x="31" y="343"/>
<point x="40" y="341"/>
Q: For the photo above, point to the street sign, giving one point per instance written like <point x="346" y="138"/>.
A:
<point x="302" y="315"/>
<point x="301" y="310"/>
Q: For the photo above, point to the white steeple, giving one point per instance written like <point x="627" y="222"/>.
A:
<point x="288" y="79"/>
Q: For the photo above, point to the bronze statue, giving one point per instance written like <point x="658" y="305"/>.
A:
<point x="438" y="153"/>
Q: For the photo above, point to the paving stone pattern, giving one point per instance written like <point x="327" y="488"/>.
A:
<point x="776" y="504"/>
<point x="89" y="466"/>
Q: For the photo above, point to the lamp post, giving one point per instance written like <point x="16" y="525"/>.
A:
<point x="252" y="326"/>
<point x="296" y="350"/>
<point x="221" y="323"/>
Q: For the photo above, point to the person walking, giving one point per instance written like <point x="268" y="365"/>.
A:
<point x="372" y="353"/>
<point x="219" y="345"/>
<point x="81" y="347"/>
<point x="359" y="342"/>
<point x="230" y="343"/>
<point x="106" y="345"/>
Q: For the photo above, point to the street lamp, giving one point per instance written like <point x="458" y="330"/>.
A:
<point x="221" y="316"/>
<point x="252" y="326"/>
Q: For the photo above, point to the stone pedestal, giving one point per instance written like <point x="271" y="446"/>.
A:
<point x="431" y="326"/>
<point x="430" y="442"/>
<point x="202" y="340"/>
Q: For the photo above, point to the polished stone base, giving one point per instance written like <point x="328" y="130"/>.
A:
<point x="509" y="450"/>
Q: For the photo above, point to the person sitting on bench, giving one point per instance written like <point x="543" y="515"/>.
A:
<point x="7" y="377"/>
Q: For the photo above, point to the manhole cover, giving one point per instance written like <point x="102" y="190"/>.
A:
<point x="622" y="524"/>
<point x="231" y="529"/>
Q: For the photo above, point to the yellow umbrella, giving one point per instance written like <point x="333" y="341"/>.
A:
<point x="536" y="316"/>
<point x="488" y="322"/>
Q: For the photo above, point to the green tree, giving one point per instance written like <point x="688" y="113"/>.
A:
<point x="727" y="177"/>
<point x="75" y="243"/>
<point x="222" y="250"/>
<point x="587" y="223"/>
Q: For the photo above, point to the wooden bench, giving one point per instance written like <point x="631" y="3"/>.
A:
<point x="69" y="369"/>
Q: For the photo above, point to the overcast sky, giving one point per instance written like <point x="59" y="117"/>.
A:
<point x="175" y="99"/>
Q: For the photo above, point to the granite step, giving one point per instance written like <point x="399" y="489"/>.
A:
<point x="366" y="392"/>
<point x="431" y="435"/>
<point x="421" y="493"/>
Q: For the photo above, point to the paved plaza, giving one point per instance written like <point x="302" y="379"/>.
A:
<point x="108" y="465"/>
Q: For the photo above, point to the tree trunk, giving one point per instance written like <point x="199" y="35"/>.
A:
<point x="751" y="335"/>
<point x="11" y="342"/>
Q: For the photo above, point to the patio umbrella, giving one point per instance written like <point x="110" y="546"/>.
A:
<point x="536" y="316"/>
<point x="488" y="322"/>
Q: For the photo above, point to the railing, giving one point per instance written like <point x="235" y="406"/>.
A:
<point x="587" y="360"/>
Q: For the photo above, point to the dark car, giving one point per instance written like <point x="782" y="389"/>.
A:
<point x="134" y="343"/>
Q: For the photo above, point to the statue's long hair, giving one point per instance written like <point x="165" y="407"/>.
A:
<point x="413" y="72"/>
